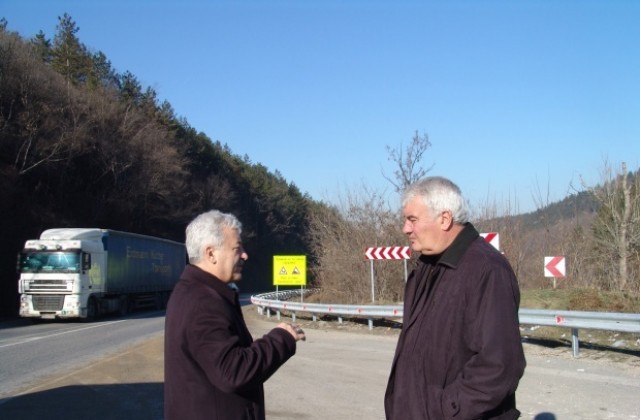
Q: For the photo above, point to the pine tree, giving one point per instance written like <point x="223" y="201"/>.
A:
<point x="101" y="74"/>
<point x="42" y="47"/>
<point x="69" y="55"/>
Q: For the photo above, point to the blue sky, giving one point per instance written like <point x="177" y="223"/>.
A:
<point x="520" y="99"/>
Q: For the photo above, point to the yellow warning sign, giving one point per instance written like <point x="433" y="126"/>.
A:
<point x="289" y="270"/>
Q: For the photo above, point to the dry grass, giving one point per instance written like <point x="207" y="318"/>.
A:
<point x="591" y="300"/>
<point x="580" y="300"/>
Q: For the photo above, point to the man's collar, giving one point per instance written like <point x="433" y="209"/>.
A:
<point x="451" y="256"/>
<point x="212" y="281"/>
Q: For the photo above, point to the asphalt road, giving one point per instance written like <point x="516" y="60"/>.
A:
<point x="334" y="375"/>
<point x="29" y="351"/>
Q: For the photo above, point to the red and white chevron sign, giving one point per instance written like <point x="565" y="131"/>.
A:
<point x="388" y="253"/>
<point x="493" y="238"/>
<point x="555" y="266"/>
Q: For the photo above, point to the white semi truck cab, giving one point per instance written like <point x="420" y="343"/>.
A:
<point x="83" y="273"/>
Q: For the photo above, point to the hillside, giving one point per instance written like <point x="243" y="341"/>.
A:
<point x="82" y="145"/>
<point x="582" y="205"/>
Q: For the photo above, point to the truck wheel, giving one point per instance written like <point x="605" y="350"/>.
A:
<point x="92" y="309"/>
<point x="158" y="304"/>
<point x="124" y="305"/>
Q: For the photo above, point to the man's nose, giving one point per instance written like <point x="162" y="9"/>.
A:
<point x="406" y="229"/>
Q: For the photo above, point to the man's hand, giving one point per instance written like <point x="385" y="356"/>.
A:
<point x="293" y="329"/>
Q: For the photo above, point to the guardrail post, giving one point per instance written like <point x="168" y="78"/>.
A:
<point x="278" y="312"/>
<point x="370" y="324"/>
<point x="268" y="312"/>
<point x="575" y="343"/>
<point x="293" y="317"/>
<point x="314" y="317"/>
<point x="340" y="320"/>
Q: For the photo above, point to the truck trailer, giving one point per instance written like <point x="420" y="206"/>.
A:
<point x="88" y="272"/>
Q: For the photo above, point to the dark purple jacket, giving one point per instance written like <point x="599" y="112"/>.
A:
<point x="213" y="368"/>
<point x="459" y="355"/>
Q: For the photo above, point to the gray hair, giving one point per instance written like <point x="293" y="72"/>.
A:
<point x="206" y="230"/>
<point x="438" y="194"/>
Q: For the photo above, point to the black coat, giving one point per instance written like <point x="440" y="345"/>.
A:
<point x="213" y="368"/>
<point x="459" y="355"/>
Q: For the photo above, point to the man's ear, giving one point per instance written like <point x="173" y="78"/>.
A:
<point x="210" y="254"/>
<point x="447" y="220"/>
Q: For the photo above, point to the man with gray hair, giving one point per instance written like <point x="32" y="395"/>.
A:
<point x="459" y="355"/>
<point x="213" y="367"/>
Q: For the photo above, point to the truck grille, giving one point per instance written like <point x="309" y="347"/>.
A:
<point x="48" y="302"/>
<point x="43" y="285"/>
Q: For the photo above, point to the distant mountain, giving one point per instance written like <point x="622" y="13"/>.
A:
<point x="575" y="205"/>
<point x="582" y="205"/>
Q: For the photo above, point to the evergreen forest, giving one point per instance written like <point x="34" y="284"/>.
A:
<point x="82" y="145"/>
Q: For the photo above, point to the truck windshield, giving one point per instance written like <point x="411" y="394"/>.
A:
<point x="34" y="262"/>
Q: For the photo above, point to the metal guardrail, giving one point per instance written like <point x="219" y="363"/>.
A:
<point x="608" y="321"/>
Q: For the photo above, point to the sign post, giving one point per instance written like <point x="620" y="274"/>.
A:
<point x="386" y="253"/>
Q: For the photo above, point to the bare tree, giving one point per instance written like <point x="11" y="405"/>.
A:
<point x="511" y="229"/>
<point x="407" y="162"/>
<point x="33" y="122"/>
<point x="616" y="229"/>
<point x="340" y="236"/>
